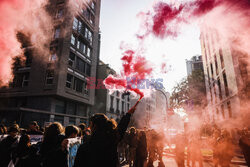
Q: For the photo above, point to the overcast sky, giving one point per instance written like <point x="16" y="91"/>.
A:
<point x="119" y="23"/>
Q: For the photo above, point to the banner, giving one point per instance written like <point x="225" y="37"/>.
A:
<point x="35" y="138"/>
<point x="2" y="137"/>
<point x="74" y="144"/>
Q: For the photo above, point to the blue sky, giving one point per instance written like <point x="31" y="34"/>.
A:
<point x="119" y="23"/>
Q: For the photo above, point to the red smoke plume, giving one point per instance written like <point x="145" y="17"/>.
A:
<point x="135" y="69"/>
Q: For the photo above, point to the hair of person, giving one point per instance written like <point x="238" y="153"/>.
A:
<point x="102" y="123"/>
<point x="132" y="130"/>
<point x="53" y="130"/>
<point x="82" y="126"/>
<point x="71" y="129"/>
<point x="13" y="128"/>
<point x="34" y="123"/>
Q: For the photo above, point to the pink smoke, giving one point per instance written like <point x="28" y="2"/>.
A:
<point x="28" y="17"/>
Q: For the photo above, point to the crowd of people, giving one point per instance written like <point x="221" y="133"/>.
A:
<point x="106" y="143"/>
<point x="98" y="148"/>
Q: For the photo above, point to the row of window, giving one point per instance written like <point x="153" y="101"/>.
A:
<point x="77" y="84"/>
<point x="117" y="105"/>
<point x="82" y="29"/>
<point x="219" y="88"/>
<point x="21" y="79"/>
<point x="229" y="108"/>
<point x="79" y="64"/>
<point x="81" y="46"/>
<point x="89" y="15"/>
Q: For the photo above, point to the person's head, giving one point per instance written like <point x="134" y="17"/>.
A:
<point x="142" y="135"/>
<point x="33" y="126"/>
<point x="82" y="126"/>
<point x="132" y="130"/>
<point x="53" y="130"/>
<point x="71" y="131"/>
<point x="13" y="130"/>
<point x="100" y="122"/>
<point x="23" y="131"/>
<point x="3" y="129"/>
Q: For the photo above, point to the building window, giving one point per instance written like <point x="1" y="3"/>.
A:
<point x="111" y="102"/>
<point x="214" y="93"/>
<point x="21" y="80"/>
<point x="69" y="81"/>
<point x="93" y="6"/>
<point x="79" y="29"/>
<point x="82" y="47"/>
<point x="212" y="71"/>
<point x="82" y="110"/>
<point x="117" y="93"/>
<point x="59" y="13"/>
<point x="25" y="79"/>
<point x="71" y="59"/>
<point x="89" y="52"/>
<point x="60" y="107"/>
<point x="86" y="91"/>
<point x="57" y="33"/>
<point x="80" y="65"/>
<point x="59" y="119"/>
<point x="229" y="109"/>
<point x="117" y="105"/>
<point x="75" y="24"/>
<point x="225" y="84"/>
<point x="216" y="65"/>
<point x="88" y="35"/>
<point x="123" y="106"/>
<point x="88" y="69"/>
<point x="219" y="86"/>
<point x="78" y="85"/>
<point x="221" y="58"/>
<point x="72" y="121"/>
<point x="53" y="57"/>
<point x="128" y="106"/>
<point x="71" y="108"/>
<point x="92" y="19"/>
<point x="73" y="40"/>
<point x="49" y="77"/>
<point x="208" y="76"/>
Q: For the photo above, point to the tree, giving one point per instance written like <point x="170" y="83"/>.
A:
<point x="189" y="90"/>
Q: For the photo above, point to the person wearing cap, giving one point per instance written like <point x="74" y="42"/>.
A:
<point x="34" y="129"/>
<point x="8" y="144"/>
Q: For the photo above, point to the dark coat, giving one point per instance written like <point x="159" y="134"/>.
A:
<point x="25" y="156"/>
<point x="7" y="145"/>
<point x="51" y="153"/>
<point x="101" y="149"/>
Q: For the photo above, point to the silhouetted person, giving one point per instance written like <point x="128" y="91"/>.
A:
<point x="8" y="144"/>
<point x="101" y="149"/>
<point x="25" y="155"/>
<point x="71" y="131"/>
<point x="132" y="142"/>
<point x="226" y="149"/>
<point x="34" y="129"/>
<point x="53" y="148"/>
<point x="180" y="149"/>
<point x="244" y="143"/>
<point x="141" y="150"/>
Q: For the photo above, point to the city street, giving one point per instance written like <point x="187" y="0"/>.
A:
<point x="170" y="162"/>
